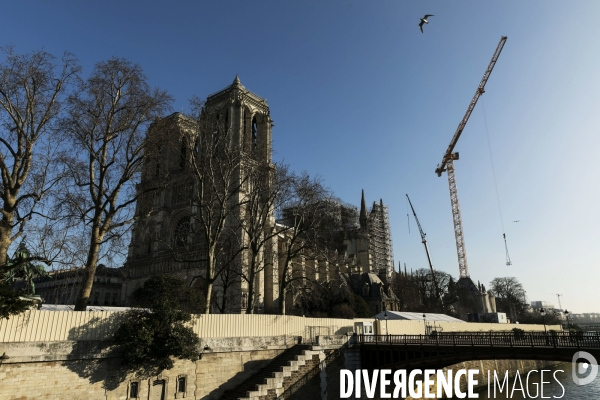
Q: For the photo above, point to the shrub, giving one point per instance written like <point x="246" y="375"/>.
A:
<point x="154" y="332"/>
<point x="519" y="333"/>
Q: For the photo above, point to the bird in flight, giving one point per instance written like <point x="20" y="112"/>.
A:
<point x="517" y="221"/>
<point x="424" y="21"/>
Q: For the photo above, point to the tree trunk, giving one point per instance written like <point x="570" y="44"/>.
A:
<point x="282" y="296"/>
<point x="224" y="302"/>
<point x="5" y="242"/>
<point x="283" y="286"/>
<point x="5" y="227"/>
<point x="251" y="291"/>
<point x="208" y="294"/>
<point x="210" y="271"/>
<point x="90" y="271"/>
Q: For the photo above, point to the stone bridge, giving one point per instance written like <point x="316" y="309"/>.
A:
<point x="444" y="349"/>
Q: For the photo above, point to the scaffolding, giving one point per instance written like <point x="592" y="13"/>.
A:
<point x="380" y="239"/>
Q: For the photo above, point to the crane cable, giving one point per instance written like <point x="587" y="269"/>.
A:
<point x="508" y="262"/>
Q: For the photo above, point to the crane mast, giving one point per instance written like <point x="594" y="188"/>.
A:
<point x="447" y="164"/>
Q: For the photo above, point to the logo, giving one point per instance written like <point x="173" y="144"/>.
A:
<point x="580" y="369"/>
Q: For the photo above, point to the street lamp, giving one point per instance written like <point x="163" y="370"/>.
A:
<point x="424" y="324"/>
<point x="543" y="312"/>
<point x="568" y="324"/>
<point x="386" y="325"/>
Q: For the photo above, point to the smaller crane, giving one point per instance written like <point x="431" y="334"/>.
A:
<point x="558" y="296"/>
<point x="424" y="241"/>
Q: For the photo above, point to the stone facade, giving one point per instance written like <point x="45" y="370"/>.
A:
<point x="368" y="246"/>
<point x="61" y="287"/>
<point x="162" y="239"/>
<point x="375" y="290"/>
<point x="168" y="200"/>
<point x="481" y="301"/>
<point x="165" y="236"/>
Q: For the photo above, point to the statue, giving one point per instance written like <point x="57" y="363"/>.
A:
<point x="23" y="268"/>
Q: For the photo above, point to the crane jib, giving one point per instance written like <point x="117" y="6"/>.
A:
<point x="480" y="90"/>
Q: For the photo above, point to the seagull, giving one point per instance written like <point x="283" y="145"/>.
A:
<point x="424" y="21"/>
<point x="517" y="221"/>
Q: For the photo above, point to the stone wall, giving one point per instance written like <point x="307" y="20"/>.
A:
<point x="89" y="370"/>
<point x="334" y="364"/>
<point x="86" y="371"/>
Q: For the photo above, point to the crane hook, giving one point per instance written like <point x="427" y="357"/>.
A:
<point x="508" y="262"/>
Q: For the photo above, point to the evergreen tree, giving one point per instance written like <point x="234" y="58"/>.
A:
<point x="156" y="331"/>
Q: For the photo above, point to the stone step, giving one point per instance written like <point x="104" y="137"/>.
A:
<point x="271" y="376"/>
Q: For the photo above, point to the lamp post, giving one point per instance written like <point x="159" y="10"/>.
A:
<point x="424" y="324"/>
<point x="567" y="317"/>
<point x="543" y="312"/>
<point x="386" y="325"/>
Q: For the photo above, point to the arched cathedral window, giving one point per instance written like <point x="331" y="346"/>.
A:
<point x="254" y="133"/>
<point x="182" y="232"/>
<point x="244" y="133"/>
<point x="183" y="153"/>
<point x="217" y="128"/>
<point x="149" y="244"/>
<point x="157" y="171"/>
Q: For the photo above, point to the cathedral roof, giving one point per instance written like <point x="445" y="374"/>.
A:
<point x="416" y="316"/>
<point x="236" y="86"/>
<point x="373" y="278"/>
<point x="363" y="212"/>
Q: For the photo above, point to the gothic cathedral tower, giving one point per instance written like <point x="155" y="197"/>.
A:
<point x="165" y="234"/>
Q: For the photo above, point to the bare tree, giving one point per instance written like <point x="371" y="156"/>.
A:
<point x="510" y="296"/>
<point x="216" y="165"/>
<point x="106" y="126"/>
<point x="304" y="219"/>
<point x="228" y="277"/>
<point x="407" y="291"/>
<point x="266" y="189"/>
<point x="420" y="292"/>
<point x="32" y="90"/>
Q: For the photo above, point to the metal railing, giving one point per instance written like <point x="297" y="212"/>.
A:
<point x="491" y="339"/>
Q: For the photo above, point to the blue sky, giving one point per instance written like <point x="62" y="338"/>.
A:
<point x="362" y="98"/>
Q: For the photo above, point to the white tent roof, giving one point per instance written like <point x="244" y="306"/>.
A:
<point x="415" y="316"/>
<point x="63" y="307"/>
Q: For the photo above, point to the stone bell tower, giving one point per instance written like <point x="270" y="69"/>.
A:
<point x="248" y="118"/>
<point x="166" y="198"/>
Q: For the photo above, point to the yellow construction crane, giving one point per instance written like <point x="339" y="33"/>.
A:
<point x="447" y="164"/>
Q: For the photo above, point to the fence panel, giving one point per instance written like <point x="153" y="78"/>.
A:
<point x="44" y="326"/>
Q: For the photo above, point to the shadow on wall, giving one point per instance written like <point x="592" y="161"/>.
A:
<point x="250" y="369"/>
<point x="97" y="360"/>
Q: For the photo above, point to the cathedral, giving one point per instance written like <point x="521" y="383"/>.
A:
<point x="165" y="235"/>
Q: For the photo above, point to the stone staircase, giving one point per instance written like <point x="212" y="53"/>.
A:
<point x="272" y="379"/>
